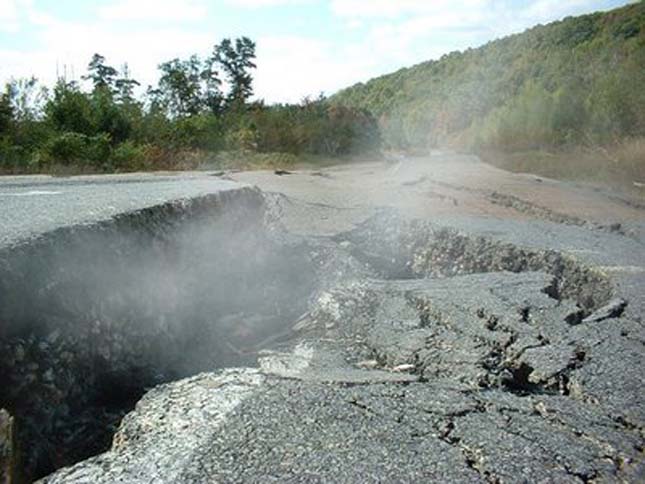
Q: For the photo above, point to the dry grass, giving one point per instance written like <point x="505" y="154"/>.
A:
<point x="621" y="165"/>
<point x="157" y="159"/>
<point x="249" y="160"/>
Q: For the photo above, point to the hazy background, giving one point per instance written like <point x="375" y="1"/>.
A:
<point x="304" y="46"/>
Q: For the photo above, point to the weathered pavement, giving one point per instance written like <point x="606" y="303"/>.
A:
<point x="461" y="193"/>
<point x="460" y="331"/>
<point x="35" y="205"/>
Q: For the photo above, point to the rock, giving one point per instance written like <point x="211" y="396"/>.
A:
<point x="19" y="353"/>
<point x="171" y="425"/>
<point x="48" y="376"/>
<point x="403" y="368"/>
<point x="612" y="309"/>
<point x="368" y="364"/>
<point x="53" y="336"/>
<point x="7" y="448"/>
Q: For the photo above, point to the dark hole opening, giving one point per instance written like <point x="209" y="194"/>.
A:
<point x="98" y="316"/>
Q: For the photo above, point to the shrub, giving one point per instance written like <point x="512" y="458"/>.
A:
<point x="243" y="138"/>
<point x="13" y="158"/>
<point x="70" y="110"/>
<point x="128" y="156"/>
<point x="201" y="131"/>
<point x="76" y="148"/>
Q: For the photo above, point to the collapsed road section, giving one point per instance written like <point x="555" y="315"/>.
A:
<point x="94" y="315"/>
<point x="398" y="350"/>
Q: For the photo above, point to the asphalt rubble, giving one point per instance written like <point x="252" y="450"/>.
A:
<point x="397" y="351"/>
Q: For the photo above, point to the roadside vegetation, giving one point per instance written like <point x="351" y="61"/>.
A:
<point x="565" y="99"/>
<point x="199" y="114"/>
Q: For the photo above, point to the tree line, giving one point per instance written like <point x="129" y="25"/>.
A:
<point x="199" y="109"/>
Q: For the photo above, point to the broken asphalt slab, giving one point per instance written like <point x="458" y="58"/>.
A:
<point x="471" y="342"/>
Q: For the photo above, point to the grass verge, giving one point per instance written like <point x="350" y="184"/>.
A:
<point x="621" y="166"/>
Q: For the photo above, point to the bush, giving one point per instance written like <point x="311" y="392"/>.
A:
<point x="246" y="160"/>
<point x="99" y="148"/>
<point x="13" y="158"/>
<point x="67" y="148"/>
<point x="76" y="148"/>
<point x="312" y="127"/>
<point x="244" y="139"/>
<point x="128" y="157"/>
<point x="70" y="110"/>
<point x="203" y="131"/>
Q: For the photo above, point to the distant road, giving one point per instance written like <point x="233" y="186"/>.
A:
<point x="448" y="185"/>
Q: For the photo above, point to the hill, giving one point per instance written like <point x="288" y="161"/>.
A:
<point x="575" y="84"/>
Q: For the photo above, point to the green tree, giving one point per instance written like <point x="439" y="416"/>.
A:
<point x="211" y="87"/>
<point x="109" y="117"/>
<point x="154" y="101"/>
<point x="6" y="111"/>
<point x="125" y="86"/>
<point x="70" y="109"/>
<point x="28" y="98"/>
<point x="180" y="86"/>
<point x="236" y="60"/>
<point x="101" y="74"/>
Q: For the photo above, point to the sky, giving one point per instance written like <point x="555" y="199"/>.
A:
<point x="304" y="47"/>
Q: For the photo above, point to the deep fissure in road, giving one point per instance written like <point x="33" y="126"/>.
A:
<point x="397" y="248"/>
<point x="93" y="316"/>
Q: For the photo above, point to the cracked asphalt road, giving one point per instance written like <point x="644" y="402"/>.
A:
<point x="34" y="205"/>
<point x="458" y="335"/>
<point x="443" y="186"/>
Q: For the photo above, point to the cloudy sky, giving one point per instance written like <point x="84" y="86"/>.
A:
<point x="304" y="46"/>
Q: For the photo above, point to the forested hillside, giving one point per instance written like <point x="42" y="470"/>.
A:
<point x="565" y="99"/>
<point x="577" y="84"/>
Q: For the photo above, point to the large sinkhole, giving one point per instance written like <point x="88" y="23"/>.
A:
<point x="394" y="247"/>
<point x="91" y="317"/>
